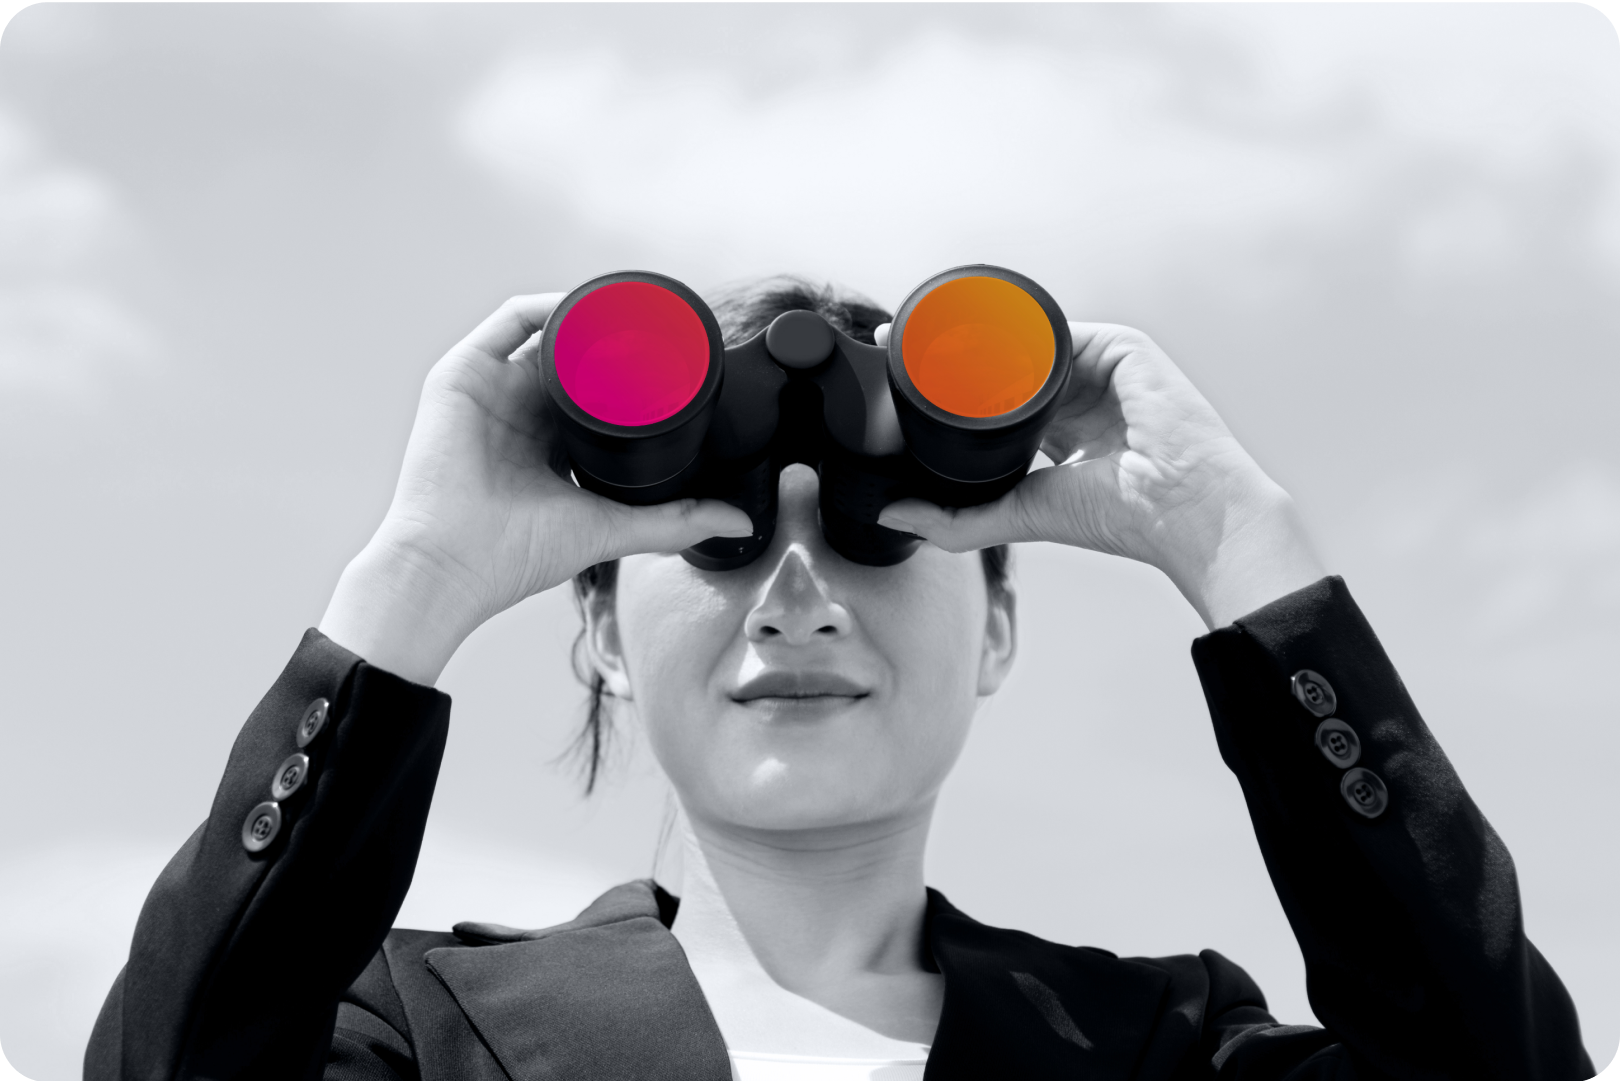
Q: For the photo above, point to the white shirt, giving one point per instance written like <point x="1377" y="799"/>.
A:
<point x="771" y="1033"/>
<point x="748" y="1066"/>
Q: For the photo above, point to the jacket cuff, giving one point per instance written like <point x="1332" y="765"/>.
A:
<point x="278" y="901"/>
<point x="1302" y="693"/>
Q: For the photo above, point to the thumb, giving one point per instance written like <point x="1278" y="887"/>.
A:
<point x="959" y="529"/>
<point x="671" y="527"/>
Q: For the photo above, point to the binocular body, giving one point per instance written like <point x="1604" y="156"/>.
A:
<point x="652" y="406"/>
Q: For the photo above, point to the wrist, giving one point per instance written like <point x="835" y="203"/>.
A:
<point x="401" y="609"/>
<point x="1250" y="549"/>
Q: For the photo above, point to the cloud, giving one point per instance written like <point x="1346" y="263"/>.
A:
<point x="1552" y="553"/>
<point x="947" y="146"/>
<point x="67" y="913"/>
<point x="62" y="333"/>
<point x="1533" y="549"/>
<point x="1527" y="568"/>
<point x="951" y="146"/>
<point x="64" y="339"/>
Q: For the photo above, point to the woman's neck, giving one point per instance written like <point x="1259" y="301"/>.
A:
<point x="834" y="917"/>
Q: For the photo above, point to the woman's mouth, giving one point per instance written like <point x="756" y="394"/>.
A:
<point x="809" y="687"/>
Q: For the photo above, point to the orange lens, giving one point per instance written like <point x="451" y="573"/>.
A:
<point x="978" y="347"/>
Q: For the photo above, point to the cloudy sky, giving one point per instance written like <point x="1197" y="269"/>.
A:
<point x="1385" y="241"/>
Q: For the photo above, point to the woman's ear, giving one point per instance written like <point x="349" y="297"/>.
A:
<point x="602" y="646"/>
<point x="1000" y="639"/>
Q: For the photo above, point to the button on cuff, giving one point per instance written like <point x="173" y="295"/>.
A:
<point x="311" y="723"/>
<point x="1364" y="791"/>
<point x="290" y="776"/>
<point x="1338" y="743"/>
<point x="261" y="826"/>
<point x="1314" y="692"/>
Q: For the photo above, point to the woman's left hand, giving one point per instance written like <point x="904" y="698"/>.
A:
<point x="1147" y="470"/>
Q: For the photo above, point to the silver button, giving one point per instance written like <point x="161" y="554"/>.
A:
<point x="289" y="776"/>
<point x="313" y="720"/>
<point x="1314" y="692"/>
<point x="1364" y="791"/>
<point x="1338" y="742"/>
<point x="260" y="827"/>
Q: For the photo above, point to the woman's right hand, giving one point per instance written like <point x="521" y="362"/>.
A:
<point x="1146" y="470"/>
<point x="484" y="514"/>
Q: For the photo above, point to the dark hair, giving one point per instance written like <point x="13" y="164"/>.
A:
<point x="743" y="310"/>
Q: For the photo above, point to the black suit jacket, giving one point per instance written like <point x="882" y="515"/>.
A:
<point x="281" y="964"/>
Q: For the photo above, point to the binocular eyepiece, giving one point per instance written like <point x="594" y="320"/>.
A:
<point x="653" y="406"/>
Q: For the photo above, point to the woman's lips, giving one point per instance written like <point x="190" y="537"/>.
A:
<point x="781" y="684"/>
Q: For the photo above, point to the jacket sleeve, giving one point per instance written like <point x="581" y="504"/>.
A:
<point x="240" y="957"/>
<point x="1403" y="899"/>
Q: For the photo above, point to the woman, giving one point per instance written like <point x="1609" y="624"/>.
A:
<point x="807" y="711"/>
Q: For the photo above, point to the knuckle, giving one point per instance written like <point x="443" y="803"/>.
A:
<point x="1128" y="338"/>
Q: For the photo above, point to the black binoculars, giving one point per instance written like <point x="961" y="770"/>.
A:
<point x="653" y="406"/>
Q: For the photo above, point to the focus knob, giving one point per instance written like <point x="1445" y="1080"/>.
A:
<point x="799" y="339"/>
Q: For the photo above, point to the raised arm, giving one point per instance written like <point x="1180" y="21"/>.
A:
<point x="484" y="514"/>
<point x="1403" y="899"/>
<point x="281" y="898"/>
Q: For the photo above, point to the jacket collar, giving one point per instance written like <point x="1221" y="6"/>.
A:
<point x="610" y="994"/>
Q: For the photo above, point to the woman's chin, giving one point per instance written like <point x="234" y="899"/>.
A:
<point x="779" y="793"/>
<point x="810" y="764"/>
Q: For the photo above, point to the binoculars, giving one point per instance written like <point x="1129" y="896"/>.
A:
<point x="653" y="406"/>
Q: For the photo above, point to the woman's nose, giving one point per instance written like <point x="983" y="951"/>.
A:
<point x="795" y="607"/>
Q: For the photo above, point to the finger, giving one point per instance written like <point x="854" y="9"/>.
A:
<point x="881" y="334"/>
<point x="960" y="529"/>
<point x="670" y="527"/>
<point x="512" y="324"/>
<point x="1099" y="347"/>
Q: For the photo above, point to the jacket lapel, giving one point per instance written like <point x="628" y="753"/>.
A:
<point x="610" y="995"/>
<point x="607" y="995"/>
<point x="1018" y="1006"/>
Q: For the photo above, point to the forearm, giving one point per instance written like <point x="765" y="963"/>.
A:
<point x="240" y="955"/>
<point x="1243" y="547"/>
<point x="401" y="609"/>
<point x="1405" y="905"/>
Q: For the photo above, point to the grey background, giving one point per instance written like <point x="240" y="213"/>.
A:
<point x="1384" y="240"/>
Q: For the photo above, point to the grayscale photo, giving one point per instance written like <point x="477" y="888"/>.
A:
<point x="810" y="542"/>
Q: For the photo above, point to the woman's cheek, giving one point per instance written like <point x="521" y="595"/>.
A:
<point x="932" y="630"/>
<point x="674" y="625"/>
<point x="671" y="661"/>
<point x="929" y="626"/>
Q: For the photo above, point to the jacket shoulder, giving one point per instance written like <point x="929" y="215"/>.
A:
<point x="1013" y="997"/>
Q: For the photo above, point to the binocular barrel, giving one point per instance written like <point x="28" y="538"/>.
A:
<point x="653" y="406"/>
<point x="633" y="364"/>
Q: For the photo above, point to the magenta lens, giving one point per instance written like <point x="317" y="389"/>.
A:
<point x="631" y="353"/>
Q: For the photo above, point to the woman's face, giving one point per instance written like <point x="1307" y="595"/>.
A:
<point x="804" y="691"/>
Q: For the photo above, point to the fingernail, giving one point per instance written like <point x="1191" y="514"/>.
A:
<point x="894" y="521"/>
